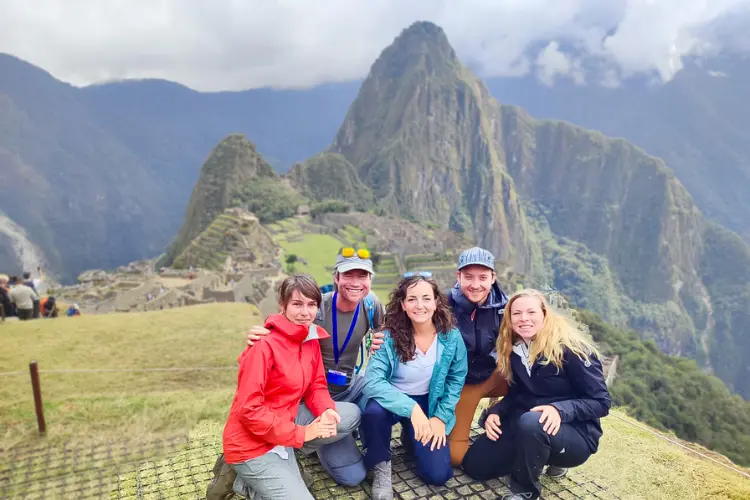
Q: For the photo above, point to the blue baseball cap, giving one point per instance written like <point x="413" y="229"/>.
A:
<point x="476" y="257"/>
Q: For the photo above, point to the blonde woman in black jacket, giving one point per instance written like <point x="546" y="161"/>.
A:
<point x="557" y="396"/>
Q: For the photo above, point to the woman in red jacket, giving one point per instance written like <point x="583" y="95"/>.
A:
<point x="284" y="367"/>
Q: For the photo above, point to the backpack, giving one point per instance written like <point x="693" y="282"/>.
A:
<point x="369" y="303"/>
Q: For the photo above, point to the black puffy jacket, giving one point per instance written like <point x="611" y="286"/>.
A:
<point x="479" y="326"/>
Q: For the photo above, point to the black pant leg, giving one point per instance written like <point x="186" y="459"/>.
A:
<point x="535" y="449"/>
<point x="487" y="459"/>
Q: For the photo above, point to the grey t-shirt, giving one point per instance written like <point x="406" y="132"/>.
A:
<point x="348" y="357"/>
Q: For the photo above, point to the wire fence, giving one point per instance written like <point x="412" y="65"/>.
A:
<point x="179" y="467"/>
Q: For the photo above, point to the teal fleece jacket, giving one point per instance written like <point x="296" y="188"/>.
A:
<point x="447" y="380"/>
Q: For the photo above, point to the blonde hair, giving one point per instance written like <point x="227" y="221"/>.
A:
<point x="4" y="278"/>
<point x="557" y="334"/>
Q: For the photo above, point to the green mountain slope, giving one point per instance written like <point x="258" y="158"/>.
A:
<point x="234" y="175"/>
<point x="80" y="194"/>
<point x="669" y="392"/>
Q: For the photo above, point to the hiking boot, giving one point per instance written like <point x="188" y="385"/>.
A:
<point x="382" y="485"/>
<point x="556" y="472"/>
<point x="221" y="485"/>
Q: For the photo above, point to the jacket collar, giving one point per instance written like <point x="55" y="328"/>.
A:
<point x="495" y="300"/>
<point x="296" y="333"/>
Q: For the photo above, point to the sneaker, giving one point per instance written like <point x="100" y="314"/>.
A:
<point x="221" y="486"/>
<point x="382" y="485"/>
<point x="556" y="472"/>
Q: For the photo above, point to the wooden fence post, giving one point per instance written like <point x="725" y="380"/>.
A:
<point x="36" y="386"/>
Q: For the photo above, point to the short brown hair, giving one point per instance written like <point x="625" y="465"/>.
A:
<point x="304" y="284"/>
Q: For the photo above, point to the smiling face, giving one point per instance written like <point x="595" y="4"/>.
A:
<point x="300" y="310"/>
<point x="526" y="317"/>
<point x="475" y="282"/>
<point x="420" y="302"/>
<point x="353" y="285"/>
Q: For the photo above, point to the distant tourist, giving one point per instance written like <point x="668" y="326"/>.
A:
<point x="477" y="303"/>
<point x="557" y="396"/>
<point x="73" y="310"/>
<point x="415" y="379"/>
<point x="49" y="307"/>
<point x="8" y="308"/>
<point x="34" y="285"/>
<point x="23" y="298"/>
<point x="286" y="365"/>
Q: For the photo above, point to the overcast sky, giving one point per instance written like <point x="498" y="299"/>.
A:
<point x="240" y="44"/>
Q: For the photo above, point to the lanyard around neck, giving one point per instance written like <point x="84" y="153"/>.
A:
<point x="335" y="333"/>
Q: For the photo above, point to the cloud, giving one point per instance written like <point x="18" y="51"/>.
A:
<point x="551" y="62"/>
<point x="239" y="44"/>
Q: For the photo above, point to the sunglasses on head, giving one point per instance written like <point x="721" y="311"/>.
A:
<point x="424" y="274"/>
<point x="350" y="252"/>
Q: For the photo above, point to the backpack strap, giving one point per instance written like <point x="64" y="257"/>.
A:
<point x="364" y="346"/>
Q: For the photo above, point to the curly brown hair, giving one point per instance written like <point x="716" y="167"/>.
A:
<point x="399" y="325"/>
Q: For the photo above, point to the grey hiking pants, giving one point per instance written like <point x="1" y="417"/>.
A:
<point x="339" y="455"/>
<point x="271" y="477"/>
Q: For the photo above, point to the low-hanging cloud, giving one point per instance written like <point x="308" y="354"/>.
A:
<point x="240" y="44"/>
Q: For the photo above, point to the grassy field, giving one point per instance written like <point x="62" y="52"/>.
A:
<point x="98" y="405"/>
<point x="319" y="250"/>
<point x="631" y="463"/>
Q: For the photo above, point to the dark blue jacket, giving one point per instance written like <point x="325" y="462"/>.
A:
<point x="577" y="390"/>
<point x="479" y="328"/>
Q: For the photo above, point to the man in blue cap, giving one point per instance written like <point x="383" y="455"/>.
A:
<point x="478" y="304"/>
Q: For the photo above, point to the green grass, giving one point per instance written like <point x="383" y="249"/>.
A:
<point x="98" y="405"/>
<point x="319" y="250"/>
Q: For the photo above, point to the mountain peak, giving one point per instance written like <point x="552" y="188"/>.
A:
<point x="421" y="47"/>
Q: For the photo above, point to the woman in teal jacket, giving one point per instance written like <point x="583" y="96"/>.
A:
<point x="415" y="378"/>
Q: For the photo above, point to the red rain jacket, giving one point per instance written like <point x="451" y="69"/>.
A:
<point x="275" y="374"/>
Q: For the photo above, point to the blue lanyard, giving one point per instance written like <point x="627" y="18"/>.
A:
<point x="334" y="313"/>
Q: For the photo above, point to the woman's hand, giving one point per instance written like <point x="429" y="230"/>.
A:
<point x="438" y="433"/>
<point x="492" y="426"/>
<point x="421" y="424"/>
<point x="550" y="418"/>
<point x="319" y="429"/>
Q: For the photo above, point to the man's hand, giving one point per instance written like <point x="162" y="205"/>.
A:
<point x="550" y="418"/>
<point x="376" y="342"/>
<point x="438" y="433"/>
<point x="255" y="334"/>
<point x="330" y="415"/>
<point x="492" y="426"/>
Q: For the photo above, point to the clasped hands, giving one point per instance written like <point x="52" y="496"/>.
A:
<point x="428" y="429"/>
<point x="324" y="426"/>
<point x="550" y="417"/>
